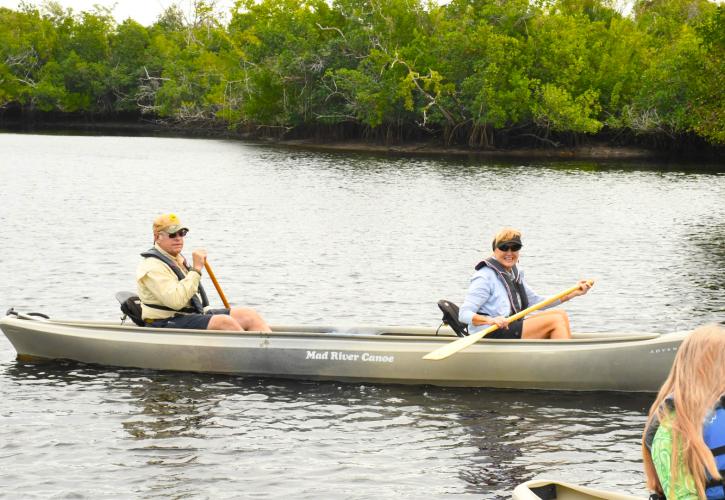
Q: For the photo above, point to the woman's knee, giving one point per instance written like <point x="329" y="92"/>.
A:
<point x="558" y="318"/>
<point x="561" y="327"/>
<point x="558" y="313"/>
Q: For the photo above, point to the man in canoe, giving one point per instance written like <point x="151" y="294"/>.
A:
<point x="170" y="290"/>
<point x="498" y="290"/>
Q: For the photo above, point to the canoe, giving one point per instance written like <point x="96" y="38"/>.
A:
<point x="631" y="362"/>
<point x="543" y="489"/>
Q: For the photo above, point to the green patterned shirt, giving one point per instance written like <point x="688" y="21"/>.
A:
<point x="662" y="459"/>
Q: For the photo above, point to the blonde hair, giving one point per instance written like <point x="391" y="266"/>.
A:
<point x="696" y="381"/>
<point x="506" y="233"/>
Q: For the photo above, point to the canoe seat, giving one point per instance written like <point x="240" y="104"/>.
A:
<point x="130" y="307"/>
<point x="450" y="317"/>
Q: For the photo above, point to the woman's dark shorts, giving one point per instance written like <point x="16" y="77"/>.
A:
<point x="513" y="332"/>
<point x="191" y="321"/>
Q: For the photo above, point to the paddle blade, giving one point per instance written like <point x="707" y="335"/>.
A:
<point x="455" y="346"/>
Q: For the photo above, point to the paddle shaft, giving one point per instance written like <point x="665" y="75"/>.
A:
<point x="462" y="343"/>
<point x="216" y="284"/>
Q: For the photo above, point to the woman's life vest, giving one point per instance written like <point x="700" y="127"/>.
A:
<point x="512" y="283"/>
<point x="198" y="301"/>
<point x="713" y="433"/>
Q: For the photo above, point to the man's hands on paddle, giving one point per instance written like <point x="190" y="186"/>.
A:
<point x="199" y="256"/>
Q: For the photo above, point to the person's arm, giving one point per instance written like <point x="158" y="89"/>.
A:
<point x="478" y="294"/>
<point x="535" y="298"/>
<point x="167" y="288"/>
<point x="684" y="485"/>
<point x="584" y="287"/>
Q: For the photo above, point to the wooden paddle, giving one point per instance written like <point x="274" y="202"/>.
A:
<point x="462" y="343"/>
<point x="216" y="284"/>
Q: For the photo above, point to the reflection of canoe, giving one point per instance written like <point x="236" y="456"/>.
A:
<point x="542" y="489"/>
<point x="616" y="362"/>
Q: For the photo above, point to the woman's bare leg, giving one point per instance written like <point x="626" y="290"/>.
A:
<point x="547" y="325"/>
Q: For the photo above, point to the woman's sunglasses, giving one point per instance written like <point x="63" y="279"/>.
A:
<point x="180" y="232"/>
<point x="506" y="248"/>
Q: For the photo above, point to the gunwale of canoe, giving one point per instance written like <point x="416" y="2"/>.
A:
<point x="564" y="491"/>
<point x="357" y="331"/>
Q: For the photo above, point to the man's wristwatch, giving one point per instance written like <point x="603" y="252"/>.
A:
<point x="195" y="270"/>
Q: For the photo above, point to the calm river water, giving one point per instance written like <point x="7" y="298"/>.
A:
<point x="339" y="238"/>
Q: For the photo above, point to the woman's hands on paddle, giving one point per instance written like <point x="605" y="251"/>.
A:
<point x="584" y="287"/>
<point x="499" y="321"/>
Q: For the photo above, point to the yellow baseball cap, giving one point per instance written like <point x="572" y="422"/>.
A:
<point x="168" y="223"/>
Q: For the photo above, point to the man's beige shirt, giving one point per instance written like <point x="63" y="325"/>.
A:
<point x="157" y="284"/>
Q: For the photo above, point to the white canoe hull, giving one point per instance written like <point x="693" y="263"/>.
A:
<point x="539" y="489"/>
<point x="590" y="362"/>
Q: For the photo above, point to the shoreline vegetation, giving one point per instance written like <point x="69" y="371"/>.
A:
<point x="593" y="150"/>
<point x="522" y="78"/>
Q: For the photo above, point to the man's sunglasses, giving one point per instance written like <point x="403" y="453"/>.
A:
<point x="506" y="248"/>
<point x="180" y="232"/>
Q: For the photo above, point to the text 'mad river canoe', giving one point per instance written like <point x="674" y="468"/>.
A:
<point x="631" y="362"/>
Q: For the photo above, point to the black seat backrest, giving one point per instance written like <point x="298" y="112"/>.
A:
<point x="131" y="307"/>
<point x="450" y="317"/>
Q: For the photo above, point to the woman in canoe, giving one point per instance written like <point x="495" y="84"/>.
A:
<point x="683" y="446"/>
<point x="498" y="289"/>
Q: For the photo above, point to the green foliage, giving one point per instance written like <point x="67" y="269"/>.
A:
<point x="26" y="44"/>
<point x="127" y="63"/>
<point x="663" y="19"/>
<point x="49" y="92"/>
<point x="557" y="110"/>
<point x="499" y="88"/>
<point x="375" y="93"/>
<point x="682" y="85"/>
<point x="709" y="104"/>
<point x="468" y="71"/>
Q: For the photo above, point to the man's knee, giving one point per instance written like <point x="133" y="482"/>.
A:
<point x="244" y="311"/>
<point x="249" y="319"/>
<point x="223" y="322"/>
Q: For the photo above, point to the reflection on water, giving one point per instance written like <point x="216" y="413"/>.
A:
<point x="707" y="245"/>
<point x="344" y="239"/>
<point x="179" y="434"/>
